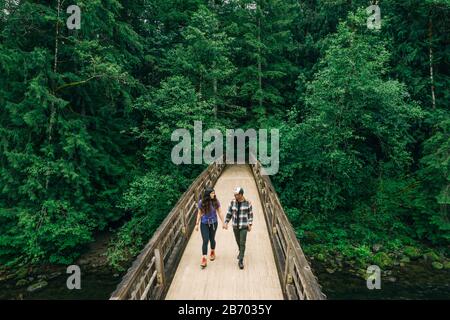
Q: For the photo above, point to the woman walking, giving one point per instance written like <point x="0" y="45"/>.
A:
<point x="208" y="209"/>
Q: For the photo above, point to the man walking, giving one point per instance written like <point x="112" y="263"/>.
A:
<point x="241" y="211"/>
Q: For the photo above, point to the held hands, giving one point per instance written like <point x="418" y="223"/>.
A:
<point x="225" y="226"/>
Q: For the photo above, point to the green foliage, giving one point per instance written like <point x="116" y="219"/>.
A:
<point x="85" y="130"/>
<point x="357" y="123"/>
<point x="432" y="219"/>
<point x="148" y="201"/>
<point x="65" y="159"/>
<point x="350" y="180"/>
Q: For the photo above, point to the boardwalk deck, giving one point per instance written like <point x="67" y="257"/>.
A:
<point x="222" y="279"/>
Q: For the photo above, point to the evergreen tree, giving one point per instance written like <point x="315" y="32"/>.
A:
<point x="65" y="98"/>
<point x="355" y="134"/>
<point x="204" y="59"/>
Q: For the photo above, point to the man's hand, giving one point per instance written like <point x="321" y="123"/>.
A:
<point x="225" y="226"/>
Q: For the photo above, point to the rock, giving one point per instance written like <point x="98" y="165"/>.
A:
<point x="405" y="259"/>
<point x="7" y="277"/>
<point x="116" y="275"/>
<point x="21" y="273"/>
<point x="392" y="279"/>
<point x="37" y="286"/>
<point x="431" y="256"/>
<point x="329" y="270"/>
<point x="437" y="265"/>
<point x="382" y="260"/>
<point x="376" y="247"/>
<point x="21" y="283"/>
<point x="320" y="257"/>
<point x="53" y="275"/>
<point x="362" y="273"/>
<point x="412" y="252"/>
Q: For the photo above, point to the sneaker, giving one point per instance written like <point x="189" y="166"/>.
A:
<point x="203" y="263"/>
<point x="212" y="257"/>
<point x="241" y="264"/>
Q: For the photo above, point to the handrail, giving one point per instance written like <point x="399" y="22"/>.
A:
<point x="296" y="277"/>
<point x="151" y="273"/>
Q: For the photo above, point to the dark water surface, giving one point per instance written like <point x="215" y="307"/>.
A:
<point x="417" y="281"/>
<point x="414" y="281"/>
<point x="93" y="286"/>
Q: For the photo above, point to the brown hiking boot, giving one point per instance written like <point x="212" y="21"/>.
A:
<point x="203" y="263"/>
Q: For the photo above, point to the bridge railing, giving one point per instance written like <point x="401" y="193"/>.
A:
<point x="151" y="273"/>
<point x="296" y="277"/>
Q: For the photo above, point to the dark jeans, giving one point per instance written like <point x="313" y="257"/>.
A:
<point x="241" y="237"/>
<point x="208" y="234"/>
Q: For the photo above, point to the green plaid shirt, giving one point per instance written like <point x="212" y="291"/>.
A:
<point x="245" y="217"/>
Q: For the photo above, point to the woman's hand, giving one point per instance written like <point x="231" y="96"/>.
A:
<point x="196" y="227"/>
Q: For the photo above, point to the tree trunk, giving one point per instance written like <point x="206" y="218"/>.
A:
<point x="215" y="92"/>
<point x="52" y="105"/>
<point x="430" y="39"/>
<point x="55" y="69"/>
<point x="260" y="98"/>
<point x="215" y="97"/>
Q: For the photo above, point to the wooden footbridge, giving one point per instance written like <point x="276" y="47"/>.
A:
<point x="275" y="266"/>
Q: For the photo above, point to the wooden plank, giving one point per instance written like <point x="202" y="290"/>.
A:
<point x="150" y="284"/>
<point x="222" y="279"/>
<point x="309" y="282"/>
<point x="159" y="267"/>
<point x="296" y="280"/>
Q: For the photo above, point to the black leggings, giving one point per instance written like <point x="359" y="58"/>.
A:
<point x="208" y="235"/>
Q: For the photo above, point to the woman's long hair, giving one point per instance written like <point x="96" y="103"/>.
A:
<point x="207" y="201"/>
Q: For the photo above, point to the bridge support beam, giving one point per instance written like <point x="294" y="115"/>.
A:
<point x="160" y="268"/>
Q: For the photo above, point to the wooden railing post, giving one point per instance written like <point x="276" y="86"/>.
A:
<point x="296" y="276"/>
<point x="185" y="226"/>
<point x="165" y="241"/>
<point x="160" y="267"/>
<point x="289" y="267"/>
<point x="273" y="224"/>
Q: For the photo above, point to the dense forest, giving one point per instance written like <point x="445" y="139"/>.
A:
<point x="87" y="115"/>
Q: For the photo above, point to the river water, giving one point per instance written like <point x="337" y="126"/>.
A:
<point x="416" y="281"/>
<point x="94" y="286"/>
<point x="412" y="282"/>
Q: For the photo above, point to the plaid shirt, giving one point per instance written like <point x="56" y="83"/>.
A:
<point x="245" y="215"/>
